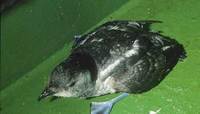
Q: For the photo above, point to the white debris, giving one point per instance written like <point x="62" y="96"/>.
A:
<point x="154" y="112"/>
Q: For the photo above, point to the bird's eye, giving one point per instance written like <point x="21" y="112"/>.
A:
<point x="72" y="84"/>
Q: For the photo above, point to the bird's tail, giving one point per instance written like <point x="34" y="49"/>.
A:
<point x="173" y="51"/>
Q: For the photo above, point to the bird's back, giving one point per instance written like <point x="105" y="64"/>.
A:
<point x="129" y="57"/>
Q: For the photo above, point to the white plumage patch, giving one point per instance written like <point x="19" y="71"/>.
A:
<point x="131" y="52"/>
<point x="134" y="50"/>
<point x="110" y="67"/>
<point x="133" y="24"/>
<point x="97" y="40"/>
<point x="114" y="28"/>
<point x="128" y="53"/>
<point x="105" y="87"/>
<point x="63" y="94"/>
<point x="165" y="48"/>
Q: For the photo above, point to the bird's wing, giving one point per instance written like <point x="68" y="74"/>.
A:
<point x="117" y="25"/>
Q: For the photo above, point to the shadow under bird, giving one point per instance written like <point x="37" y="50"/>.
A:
<point x="118" y="56"/>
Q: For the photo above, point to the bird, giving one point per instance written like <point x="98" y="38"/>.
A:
<point x="117" y="56"/>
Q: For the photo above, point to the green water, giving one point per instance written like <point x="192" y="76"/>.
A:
<point x="35" y="37"/>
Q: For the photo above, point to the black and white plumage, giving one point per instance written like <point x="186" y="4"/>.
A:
<point x="118" y="56"/>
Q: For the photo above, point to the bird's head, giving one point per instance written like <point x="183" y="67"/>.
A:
<point x="69" y="81"/>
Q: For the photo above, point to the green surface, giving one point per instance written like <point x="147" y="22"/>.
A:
<point x="177" y="94"/>
<point x="34" y="30"/>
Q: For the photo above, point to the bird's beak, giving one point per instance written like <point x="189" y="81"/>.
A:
<point x="47" y="92"/>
